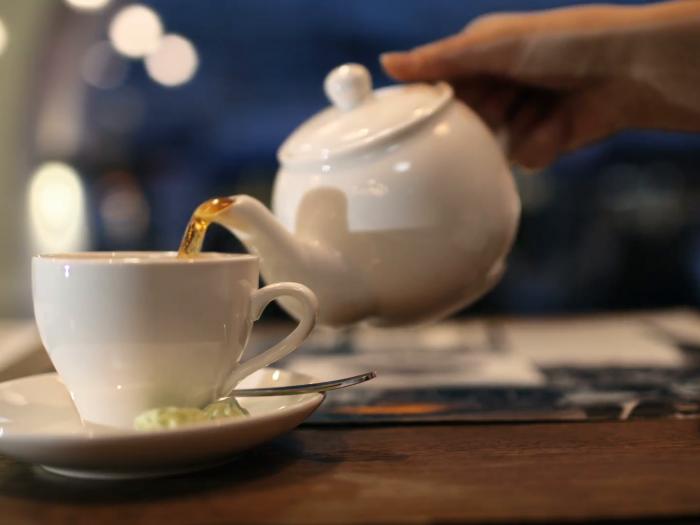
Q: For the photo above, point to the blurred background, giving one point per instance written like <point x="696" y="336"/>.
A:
<point x="118" y="118"/>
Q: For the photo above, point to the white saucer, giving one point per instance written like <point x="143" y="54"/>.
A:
<point x="38" y="424"/>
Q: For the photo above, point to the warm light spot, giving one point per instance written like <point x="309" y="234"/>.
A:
<point x="355" y="135"/>
<point x="402" y="166"/>
<point x="371" y="187"/>
<point x="87" y="5"/>
<point x="394" y="410"/>
<point x="3" y="37"/>
<point x="174" y="62"/>
<point x="421" y="112"/>
<point x="136" y="31"/>
<point x="57" y="208"/>
<point x="125" y="213"/>
<point x="442" y="129"/>
<point x="276" y="375"/>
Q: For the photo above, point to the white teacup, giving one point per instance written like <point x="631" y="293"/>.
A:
<point x="130" y="331"/>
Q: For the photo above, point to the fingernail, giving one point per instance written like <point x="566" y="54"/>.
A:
<point x="389" y="55"/>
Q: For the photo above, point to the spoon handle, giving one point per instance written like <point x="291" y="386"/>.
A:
<point x="301" y="389"/>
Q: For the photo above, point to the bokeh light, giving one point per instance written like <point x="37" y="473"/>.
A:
<point x="3" y="36"/>
<point x="57" y="208"/>
<point x="102" y="67"/>
<point x="87" y="5"/>
<point x="124" y="211"/>
<point x="174" y="62"/>
<point x="136" y="31"/>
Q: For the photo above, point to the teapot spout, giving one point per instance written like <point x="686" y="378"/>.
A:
<point x="285" y="256"/>
<point x="263" y="235"/>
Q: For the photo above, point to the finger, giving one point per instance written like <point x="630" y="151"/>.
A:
<point x="491" y="98"/>
<point x="497" y="104"/>
<point x="531" y="109"/>
<point x="435" y="61"/>
<point x="589" y="120"/>
<point x="543" y="144"/>
<point x="502" y="45"/>
<point x="577" y="120"/>
<point x="472" y="91"/>
<point x="458" y="56"/>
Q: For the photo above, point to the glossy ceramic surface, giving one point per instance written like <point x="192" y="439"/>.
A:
<point x="134" y="331"/>
<point x="408" y="223"/>
<point x="40" y="425"/>
<point x="360" y="117"/>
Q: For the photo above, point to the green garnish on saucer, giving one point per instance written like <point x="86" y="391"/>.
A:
<point x="175" y="417"/>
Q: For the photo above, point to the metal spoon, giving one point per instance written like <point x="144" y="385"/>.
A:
<point x="300" y="389"/>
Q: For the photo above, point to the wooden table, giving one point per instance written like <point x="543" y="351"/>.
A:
<point x="399" y="474"/>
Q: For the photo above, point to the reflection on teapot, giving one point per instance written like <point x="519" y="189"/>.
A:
<point x="395" y="206"/>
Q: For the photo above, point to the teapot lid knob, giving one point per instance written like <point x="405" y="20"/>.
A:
<point x="348" y="85"/>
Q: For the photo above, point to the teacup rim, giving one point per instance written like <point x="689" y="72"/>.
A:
<point x="149" y="257"/>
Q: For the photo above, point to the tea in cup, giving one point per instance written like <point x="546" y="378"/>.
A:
<point x="132" y="331"/>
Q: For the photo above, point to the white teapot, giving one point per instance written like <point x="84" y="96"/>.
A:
<point x="395" y="206"/>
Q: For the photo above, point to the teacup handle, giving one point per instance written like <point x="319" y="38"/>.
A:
<point x="307" y="320"/>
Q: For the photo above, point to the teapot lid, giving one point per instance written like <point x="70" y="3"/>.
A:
<point x="360" y="117"/>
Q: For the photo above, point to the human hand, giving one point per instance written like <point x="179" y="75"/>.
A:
<point x="558" y="80"/>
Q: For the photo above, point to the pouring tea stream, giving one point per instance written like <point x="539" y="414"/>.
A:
<point x="395" y="206"/>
